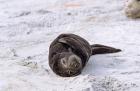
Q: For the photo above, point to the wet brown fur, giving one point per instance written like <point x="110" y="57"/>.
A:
<point x="66" y="45"/>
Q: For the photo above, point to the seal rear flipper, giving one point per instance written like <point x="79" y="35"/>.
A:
<point x="102" y="49"/>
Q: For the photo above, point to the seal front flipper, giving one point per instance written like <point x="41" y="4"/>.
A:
<point x="69" y="41"/>
<point x="72" y="43"/>
<point x="78" y="47"/>
<point x="75" y="46"/>
<point x="102" y="49"/>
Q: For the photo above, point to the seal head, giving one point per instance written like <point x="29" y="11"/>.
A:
<point x="68" y="65"/>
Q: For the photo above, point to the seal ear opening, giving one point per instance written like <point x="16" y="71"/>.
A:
<point x="102" y="49"/>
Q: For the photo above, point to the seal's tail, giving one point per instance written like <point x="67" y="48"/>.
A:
<point x="101" y="49"/>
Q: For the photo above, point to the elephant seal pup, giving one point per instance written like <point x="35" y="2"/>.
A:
<point x="132" y="8"/>
<point x="69" y="53"/>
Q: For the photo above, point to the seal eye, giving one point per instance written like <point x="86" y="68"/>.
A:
<point x="138" y="0"/>
<point x="63" y="61"/>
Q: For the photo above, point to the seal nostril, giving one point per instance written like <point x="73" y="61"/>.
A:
<point x="69" y="72"/>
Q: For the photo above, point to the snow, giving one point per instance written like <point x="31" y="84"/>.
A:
<point x="28" y="27"/>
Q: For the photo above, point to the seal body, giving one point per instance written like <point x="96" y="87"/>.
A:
<point x="69" y="53"/>
<point x="67" y="46"/>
